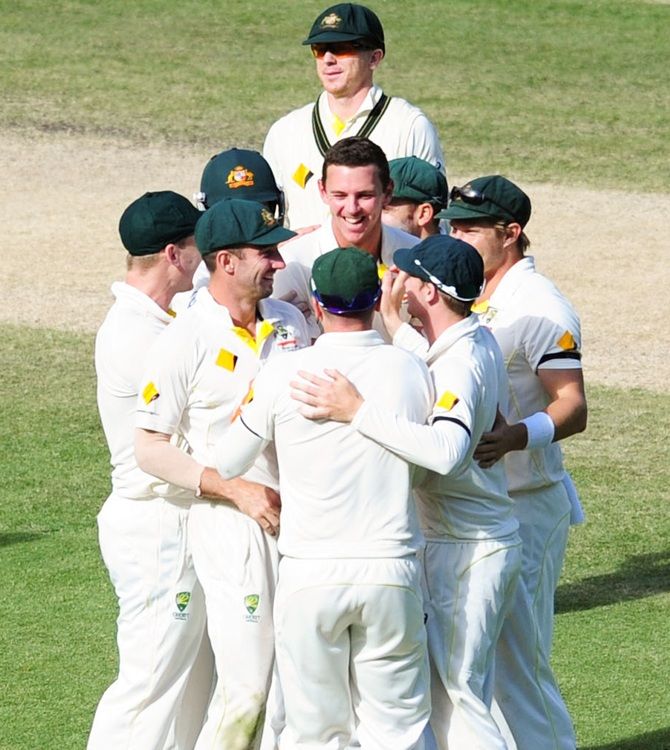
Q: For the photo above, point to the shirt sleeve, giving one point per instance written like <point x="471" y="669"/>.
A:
<point x="554" y="341"/>
<point x="441" y="445"/>
<point x="409" y="339"/>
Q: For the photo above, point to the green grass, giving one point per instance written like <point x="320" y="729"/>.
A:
<point x="564" y="91"/>
<point x="57" y="651"/>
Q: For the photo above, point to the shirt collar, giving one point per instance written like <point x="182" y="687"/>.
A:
<point x="450" y="336"/>
<point x="129" y="294"/>
<point x="512" y="279"/>
<point x="367" y="105"/>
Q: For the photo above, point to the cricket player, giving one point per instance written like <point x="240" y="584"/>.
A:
<point x="349" y="617"/>
<point x="142" y="525"/>
<point x="196" y="378"/>
<point x="347" y="41"/>
<point x="539" y="332"/>
<point x="420" y="192"/>
<point x="235" y="173"/>
<point x="473" y="551"/>
<point x="356" y="186"/>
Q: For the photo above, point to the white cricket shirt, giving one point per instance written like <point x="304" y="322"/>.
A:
<point x="537" y="328"/>
<point x="131" y="326"/>
<point x="463" y="501"/>
<point x="200" y="371"/>
<point x="296" y="161"/>
<point x="343" y="495"/>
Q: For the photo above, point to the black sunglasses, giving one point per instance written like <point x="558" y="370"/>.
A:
<point x="474" y="197"/>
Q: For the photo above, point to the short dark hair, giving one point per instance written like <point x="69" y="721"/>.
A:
<point x="357" y="152"/>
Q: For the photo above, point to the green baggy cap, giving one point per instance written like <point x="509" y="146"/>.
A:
<point x="346" y="280"/>
<point x="418" y="181"/>
<point x="347" y="22"/>
<point x="155" y="220"/>
<point x="238" y="222"/>
<point x="491" y="197"/>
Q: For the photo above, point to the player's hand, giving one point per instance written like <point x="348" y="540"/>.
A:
<point x="393" y="293"/>
<point x="334" y="398"/>
<point x="502" y="439"/>
<point x="254" y="500"/>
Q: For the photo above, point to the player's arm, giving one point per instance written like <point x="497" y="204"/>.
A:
<point x="564" y="415"/>
<point x="157" y="456"/>
<point x="440" y="446"/>
<point x="238" y="449"/>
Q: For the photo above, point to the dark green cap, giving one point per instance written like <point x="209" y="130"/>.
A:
<point x="347" y="22"/>
<point x="238" y="173"/>
<point x="346" y="280"/>
<point x="155" y="220"/>
<point x="418" y="181"/>
<point x="492" y="197"/>
<point x="454" y="266"/>
<point x="238" y="222"/>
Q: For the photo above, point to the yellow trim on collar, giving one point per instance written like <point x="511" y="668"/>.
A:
<point x="480" y="307"/>
<point x="263" y="332"/>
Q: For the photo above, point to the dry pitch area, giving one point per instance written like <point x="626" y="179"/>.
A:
<point x="62" y="196"/>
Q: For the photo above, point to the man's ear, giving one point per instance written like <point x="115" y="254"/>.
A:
<point x="512" y="233"/>
<point x="425" y="213"/>
<point x="375" y="58"/>
<point x="172" y="255"/>
<point x="317" y="309"/>
<point x="322" y="191"/>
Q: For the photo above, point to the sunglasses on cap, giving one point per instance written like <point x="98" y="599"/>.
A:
<point x="474" y="197"/>
<point x="335" y="304"/>
<point x="339" y="49"/>
<point x="450" y="290"/>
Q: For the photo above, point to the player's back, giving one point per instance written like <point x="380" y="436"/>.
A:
<point x="343" y="495"/>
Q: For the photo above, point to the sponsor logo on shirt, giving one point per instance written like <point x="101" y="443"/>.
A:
<point x="251" y="602"/>
<point x="182" y="600"/>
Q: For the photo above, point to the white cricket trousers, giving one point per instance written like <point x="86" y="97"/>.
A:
<point x="145" y="546"/>
<point x="470" y="589"/>
<point x="351" y="653"/>
<point x="526" y="690"/>
<point x="236" y="563"/>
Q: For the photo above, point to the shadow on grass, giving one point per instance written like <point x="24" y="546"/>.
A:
<point x="637" y="577"/>
<point x="18" y="537"/>
<point x="658" y="740"/>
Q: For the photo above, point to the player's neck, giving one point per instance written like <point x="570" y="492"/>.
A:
<point x="371" y="244"/>
<point x="437" y="322"/>
<point x="242" y="309"/>
<point x="345" y="106"/>
<point x="155" y="286"/>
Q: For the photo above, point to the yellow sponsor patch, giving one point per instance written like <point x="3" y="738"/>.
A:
<point x="171" y="313"/>
<point x="447" y="400"/>
<point x="150" y="393"/>
<point x="567" y="341"/>
<point x="382" y="268"/>
<point x="302" y="175"/>
<point x="246" y="400"/>
<point x="226" y="359"/>
<point x="480" y="307"/>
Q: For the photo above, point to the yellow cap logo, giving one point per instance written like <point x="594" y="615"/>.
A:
<point x="240" y="177"/>
<point x="331" y="21"/>
<point x="268" y="219"/>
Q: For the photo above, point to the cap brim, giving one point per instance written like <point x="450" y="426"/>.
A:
<point x="335" y="36"/>
<point x="274" y="237"/>
<point x="468" y="211"/>
<point x="404" y="259"/>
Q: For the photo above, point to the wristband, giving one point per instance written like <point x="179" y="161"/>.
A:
<point x="540" y="429"/>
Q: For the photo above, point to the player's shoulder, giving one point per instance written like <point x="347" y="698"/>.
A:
<point x="287" y="122"/>
<point x="398" y="105"/>
<point x="306" y="248"/>
<point x="278" y="309"/>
